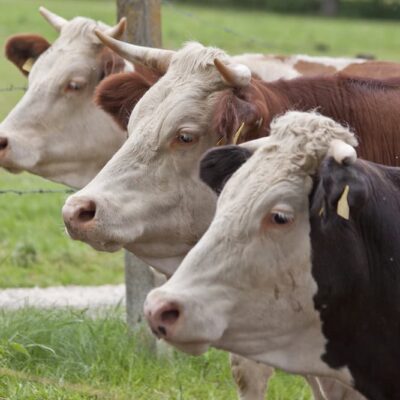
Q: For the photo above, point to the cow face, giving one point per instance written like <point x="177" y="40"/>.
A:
<point x="247" y="285"/>
<point x="56" y="131"/>
<point x="149" y="198"/>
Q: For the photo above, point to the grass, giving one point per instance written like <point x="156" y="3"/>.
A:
<point x="67" y="355"/>
<point x="33" y="247"/>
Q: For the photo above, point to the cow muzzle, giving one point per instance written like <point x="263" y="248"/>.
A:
<point x="168" y="320"/>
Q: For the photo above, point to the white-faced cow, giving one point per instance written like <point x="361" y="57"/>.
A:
<point x="300" y="257"/>
<point x="56" y="131"/>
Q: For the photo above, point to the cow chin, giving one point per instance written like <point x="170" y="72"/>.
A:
<point x="194" y="349"/>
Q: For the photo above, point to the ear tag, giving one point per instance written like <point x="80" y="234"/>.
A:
<point x="28" y="64"/>
<point x="219" y="143"/>
<point x="343" y="209"/>
<point x="321" y="211"/>
<point x="237" y="134"/>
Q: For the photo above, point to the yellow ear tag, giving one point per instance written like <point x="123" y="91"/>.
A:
<point x="219" y="143"/>
<point x="343" y="209"/>
<point x="28" y="64"/>
<point x="237" y="134"/>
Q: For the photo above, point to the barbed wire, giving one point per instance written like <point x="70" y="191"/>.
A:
<point x="13" y="88"/>
<point x="205" y="22"/>
<point x="36" y="191"/>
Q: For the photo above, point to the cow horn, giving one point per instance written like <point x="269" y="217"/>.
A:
<point x="118" y="30"/>
<point x="342" y="152"/>
<point x="236" y="75"/>
<point x="157" y="59"/>
<point x="53" y="19"/>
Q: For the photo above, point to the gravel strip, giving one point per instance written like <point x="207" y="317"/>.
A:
<point x="80" y="297"/>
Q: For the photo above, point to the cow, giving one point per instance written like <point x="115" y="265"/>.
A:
<point x="302" y="255"/>
<point x="56" y="131"/>
<point x="149" y="199"/>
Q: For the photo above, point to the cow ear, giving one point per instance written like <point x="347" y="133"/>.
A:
<point x="220" y="163"/>
<point x="118" y="95"/>
<point x="233" y="111"/>
<point x="109" y="62"/>
<point x="24" y="50"/>
<point x="342" y="189"/>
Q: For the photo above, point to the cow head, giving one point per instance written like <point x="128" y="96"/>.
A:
<point x="56" y="131"/>
<point x="247" y="285"/>
<point x="149" y="198"/>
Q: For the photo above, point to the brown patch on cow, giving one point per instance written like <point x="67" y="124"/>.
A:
<point x="375" y="69"/>
<point x="368" y="106"/>
<point x="20" y="48"/>
<point x="305" y="68"/>
<point x="118" y="94"/>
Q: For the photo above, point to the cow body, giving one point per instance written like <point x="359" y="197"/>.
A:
<point x="281" y="270"/>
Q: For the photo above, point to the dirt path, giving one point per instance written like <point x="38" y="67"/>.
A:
<point x="63" y="296"/>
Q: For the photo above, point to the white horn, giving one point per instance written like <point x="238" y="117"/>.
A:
<point x="157" y="59"/>
<point x="255" y="144"/>
<point x="118" y="30"/>
<point x="236" y="75"/>
<point x="53" y="19"/>
<point x="342" y="152"/>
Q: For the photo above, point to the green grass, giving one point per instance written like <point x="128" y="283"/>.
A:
<point x="67" y="355"/>
<point x="33" y="247"/>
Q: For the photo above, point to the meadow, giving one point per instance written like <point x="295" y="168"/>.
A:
<point x="68" y="355"/>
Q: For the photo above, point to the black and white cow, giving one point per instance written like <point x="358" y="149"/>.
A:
<point x="302" y="257"/>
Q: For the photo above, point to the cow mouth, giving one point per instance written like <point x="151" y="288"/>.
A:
<point x="12" y="170"/>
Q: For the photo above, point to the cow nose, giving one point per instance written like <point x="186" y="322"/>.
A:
<point x="78" y="212"/>
<point x="3" y="143"/>
<point x="162" y="317"/>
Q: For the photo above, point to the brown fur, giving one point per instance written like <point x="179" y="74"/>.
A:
<point x="313" y="68"/>
<point x="369" y="107"/>
<point x="20" y="48"/>
<point x="119" y="94"/>
<point x="373" y="69"/>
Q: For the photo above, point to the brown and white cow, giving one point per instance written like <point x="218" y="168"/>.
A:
<point x="300" y="257"/>
<point x="56" y="131"/>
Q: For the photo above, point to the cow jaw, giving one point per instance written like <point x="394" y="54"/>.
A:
<point x="56" y="131"/>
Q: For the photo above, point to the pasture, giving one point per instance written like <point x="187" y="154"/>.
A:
<point x="68" y="355"/>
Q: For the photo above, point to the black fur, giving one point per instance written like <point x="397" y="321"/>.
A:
<point x="220" y="163"/>
<point x="356" y="264"/>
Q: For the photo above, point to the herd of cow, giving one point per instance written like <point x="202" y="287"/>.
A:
<point x="296" y="265"/>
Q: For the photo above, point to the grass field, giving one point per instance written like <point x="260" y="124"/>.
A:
<point x="65" y="355"/>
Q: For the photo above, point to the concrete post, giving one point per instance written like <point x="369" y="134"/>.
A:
<point x="144" y="28"/>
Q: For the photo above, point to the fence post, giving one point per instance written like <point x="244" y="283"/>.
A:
<point x="144" y="28"/>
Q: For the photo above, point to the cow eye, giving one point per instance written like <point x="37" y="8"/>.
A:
<point x="185" y="138"/>
<point x="75" y="85"/>
<point x="281" y="218"/>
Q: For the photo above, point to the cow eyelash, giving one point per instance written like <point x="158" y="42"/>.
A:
<point x="281" y="218"/>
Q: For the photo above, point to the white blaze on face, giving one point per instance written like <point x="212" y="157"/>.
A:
<point x="247" y="285"/>
<point x="56" y="131"/>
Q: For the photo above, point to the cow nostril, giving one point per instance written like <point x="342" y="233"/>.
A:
<point x="3" y="143"/>
<point x="169" y="316"/>
<point x="88" y="212"/>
